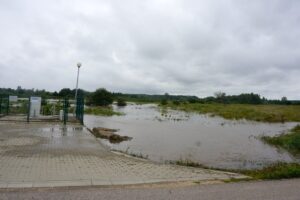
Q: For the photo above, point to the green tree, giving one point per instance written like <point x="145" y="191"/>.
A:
<point x="66" y="92"/>
<point x="101" y="97"/>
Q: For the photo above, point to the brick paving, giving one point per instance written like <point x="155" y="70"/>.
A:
<point x="50" y="155"/>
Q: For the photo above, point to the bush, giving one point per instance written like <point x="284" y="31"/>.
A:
<point x="101" y="97"/>
<point x="176" y="102"/>
<point x="164" y="102"/>
<point x="121" y="102"/>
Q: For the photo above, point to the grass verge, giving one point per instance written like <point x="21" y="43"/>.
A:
<point x="103" y="111"/>
<point x="263" y="113"/>
<point x="289" y="141"/>
<point x="275" y="171"/>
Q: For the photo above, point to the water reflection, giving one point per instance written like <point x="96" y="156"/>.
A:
<point x="213" y="141"/>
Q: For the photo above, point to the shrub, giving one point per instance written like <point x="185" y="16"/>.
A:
<point x="101" y="97"/>
<point x="121" y="102"/>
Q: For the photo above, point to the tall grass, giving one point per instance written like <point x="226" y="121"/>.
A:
<point x="289" y="141"/>
<point x="102" y="111"/>
<point x="274" y="171"/>
<point x="264" y="113"/>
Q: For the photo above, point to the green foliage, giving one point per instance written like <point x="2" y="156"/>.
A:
<point x="101" y="97"/>
<point x="102" y="111"/>
<point x="290" y="141"/>
<point x="66" y="92"/>
<point x="146" y="98"/>
<point x="176" y="102"/>
<point x="164" y="102"/>
<point x="20" y="107"/>
<point x="276" y="171"/>
<point x="264" y="113"/>
<point x="121" y="102"/>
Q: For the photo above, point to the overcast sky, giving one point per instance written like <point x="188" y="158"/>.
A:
<point x="194" y="47"/>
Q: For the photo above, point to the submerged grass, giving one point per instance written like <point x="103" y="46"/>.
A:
<point x="137" y="155"/>
<point x="275" y="171"/>
<point x="103" y="111"/>
<point x="264" y="113"/>
<point x="289" y="141"/>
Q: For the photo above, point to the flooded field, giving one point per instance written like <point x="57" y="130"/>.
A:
<point x="168" y="135"/>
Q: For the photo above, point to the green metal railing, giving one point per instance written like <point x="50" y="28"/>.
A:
<point x="80" y="109"/>
<point x="4" y="105"/>
<point x="48" y="107"/>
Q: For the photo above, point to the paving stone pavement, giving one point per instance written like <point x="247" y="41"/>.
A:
<point x="50" y="155"/>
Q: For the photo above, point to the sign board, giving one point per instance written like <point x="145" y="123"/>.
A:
<point x="35" y="106"/>
<point x="13" y="98"/>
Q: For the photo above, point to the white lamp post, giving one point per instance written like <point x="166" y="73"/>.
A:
<point x="78" y="66"/>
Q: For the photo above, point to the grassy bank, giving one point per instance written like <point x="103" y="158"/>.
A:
<point x="275" y="171"/>
<point x="102" y="111"/>
<point x="264" y="113"/>
<point x="289" y="141"/>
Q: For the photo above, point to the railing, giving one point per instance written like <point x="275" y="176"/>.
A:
<point x="50" y="109"/>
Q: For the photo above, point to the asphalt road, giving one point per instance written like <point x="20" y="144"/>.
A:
<point x="283" y="189"/>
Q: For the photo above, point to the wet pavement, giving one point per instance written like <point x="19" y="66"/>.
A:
<point x="51" y="154"/>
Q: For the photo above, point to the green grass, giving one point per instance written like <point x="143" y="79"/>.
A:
<point x="275" y="171"/>
<point x="289" y="141"/>
<point x="264" y="113"/>
<point x="103" y="111"/>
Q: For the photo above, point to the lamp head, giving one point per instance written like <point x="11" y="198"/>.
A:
<point x="79" y="65"/>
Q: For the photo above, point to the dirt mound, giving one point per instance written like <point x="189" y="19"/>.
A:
<point x="109" y="134"/>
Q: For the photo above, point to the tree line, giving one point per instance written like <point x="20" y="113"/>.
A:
<point x="103" y="97"/>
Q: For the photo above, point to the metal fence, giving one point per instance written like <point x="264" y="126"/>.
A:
<point x="26" y="109"/>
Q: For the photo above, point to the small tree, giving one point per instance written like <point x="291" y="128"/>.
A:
<point x="220" y="96"/>
<point x="284" y="100"/>
<point x="101" y="97"/>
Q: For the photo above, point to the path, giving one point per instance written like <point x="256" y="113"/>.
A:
<point x="48" y="155"/>
<point x="261" y="190"/>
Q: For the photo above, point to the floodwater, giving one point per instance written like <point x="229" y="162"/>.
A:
<point x="212" y="141"/>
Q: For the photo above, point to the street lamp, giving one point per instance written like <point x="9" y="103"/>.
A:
<point x="78" y="66"/>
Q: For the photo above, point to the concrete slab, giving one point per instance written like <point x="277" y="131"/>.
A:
<point x="19" y="185"/>
<point x="52" y="155"/>
<point x="101" y="182"/>
<point x="62" y="183"/>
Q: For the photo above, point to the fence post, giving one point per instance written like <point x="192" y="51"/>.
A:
<point x="28" y="111"/>
<point x="65" y="111"/>
<point x="0" y="105"/>
<point x="7" y="106"/>
<point x="82" y="110"/>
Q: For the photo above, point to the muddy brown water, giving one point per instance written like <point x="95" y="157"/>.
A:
<point x="212" y="141"/>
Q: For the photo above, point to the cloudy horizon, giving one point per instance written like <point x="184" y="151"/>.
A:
<point x="185" y="47"/>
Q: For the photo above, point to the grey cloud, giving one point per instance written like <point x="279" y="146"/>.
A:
<point x="180" y="47"/>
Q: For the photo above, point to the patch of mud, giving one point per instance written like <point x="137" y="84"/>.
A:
<point x="106" y="133"/>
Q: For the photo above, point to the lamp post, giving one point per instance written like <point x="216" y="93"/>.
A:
<point x="78" y="66"/>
